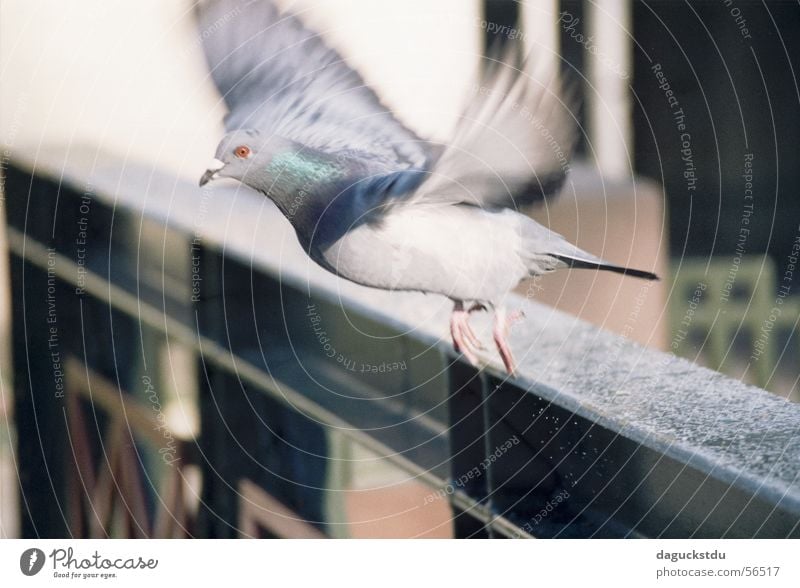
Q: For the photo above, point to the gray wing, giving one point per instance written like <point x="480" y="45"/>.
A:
<point x="511" y="147"/>
<point x="278" y="76"/>
<point x="513" y="140"/>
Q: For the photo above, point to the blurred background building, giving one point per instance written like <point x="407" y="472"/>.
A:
<point x="687" y="161"/>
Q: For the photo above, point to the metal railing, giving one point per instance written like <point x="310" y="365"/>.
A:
<point x="181" y="369"/>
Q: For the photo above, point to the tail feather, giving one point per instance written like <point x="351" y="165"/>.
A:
<point x="602" y="265"/>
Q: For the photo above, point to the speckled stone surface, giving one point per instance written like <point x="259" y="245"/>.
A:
<point x="734" y="432"/>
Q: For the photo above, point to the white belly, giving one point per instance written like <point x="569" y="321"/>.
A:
<point x="458" y="251"/>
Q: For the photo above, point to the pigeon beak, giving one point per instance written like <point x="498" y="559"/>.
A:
<point x="212" y="173"/>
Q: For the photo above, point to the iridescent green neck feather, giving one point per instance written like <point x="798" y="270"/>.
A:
<point x="299" y="179"/>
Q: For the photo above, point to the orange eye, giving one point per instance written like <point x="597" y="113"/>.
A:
<point x="242" y="151"/>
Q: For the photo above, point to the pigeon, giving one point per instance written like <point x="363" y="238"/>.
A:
<point x="369" y="199"/>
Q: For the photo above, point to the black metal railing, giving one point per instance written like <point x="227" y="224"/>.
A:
<point x="137" y="296"/>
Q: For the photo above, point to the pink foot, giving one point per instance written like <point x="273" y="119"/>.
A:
<point x="502" y="325"/>
<point x="464" y="339"/>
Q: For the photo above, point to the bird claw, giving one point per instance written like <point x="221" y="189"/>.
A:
<point x="465" y="341"/>
<point x="505" y="354"/>
<point x="514" y="317"/>
<point x="502" y="326"/>
<point x="471" y="337"/>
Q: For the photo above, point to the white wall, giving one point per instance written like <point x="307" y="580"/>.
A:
<point x="130" y="77"/>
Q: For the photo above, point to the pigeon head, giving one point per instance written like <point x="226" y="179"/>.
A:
<point x="246" y="155"/>
<point x="292" y="175"/>
<point x="273" y="165"/>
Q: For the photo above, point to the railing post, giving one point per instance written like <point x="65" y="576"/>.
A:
<point x="39" y="404"/>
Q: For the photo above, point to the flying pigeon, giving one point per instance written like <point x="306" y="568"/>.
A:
<point x="369" y="199"/>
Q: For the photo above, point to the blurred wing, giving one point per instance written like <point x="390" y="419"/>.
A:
<point x="513" y="143"/>
<point x="280" y="77"/>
